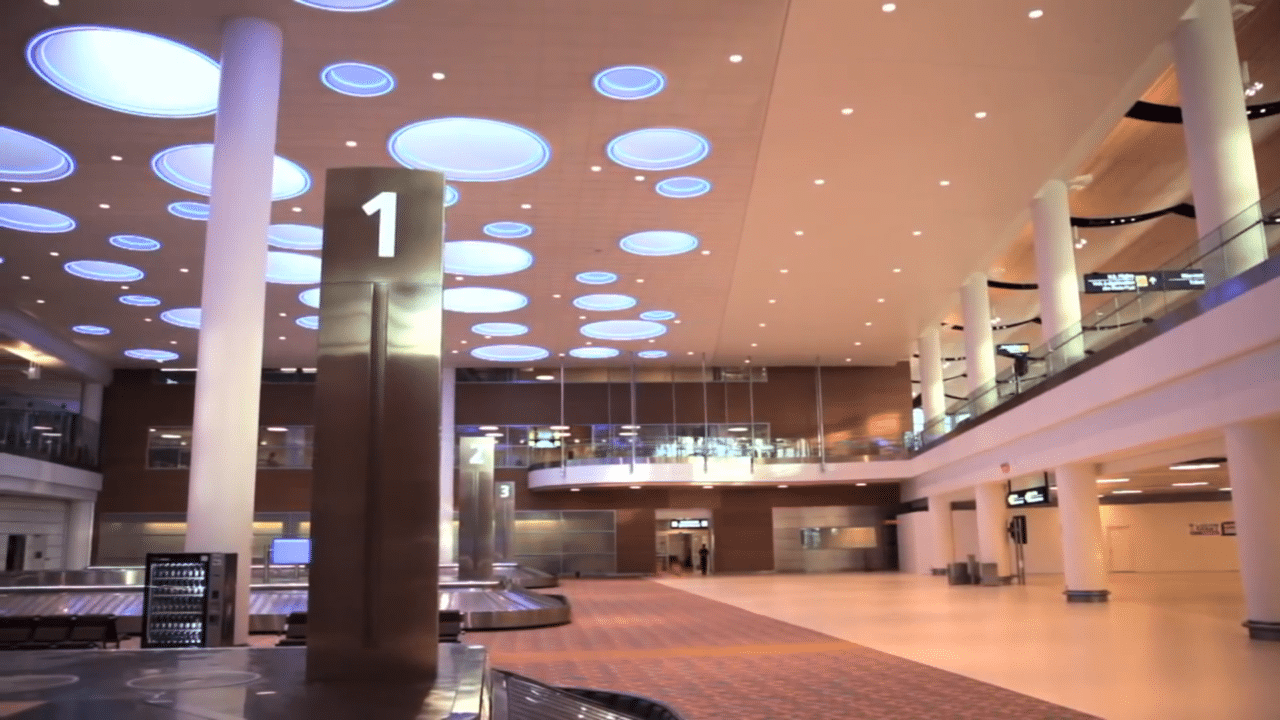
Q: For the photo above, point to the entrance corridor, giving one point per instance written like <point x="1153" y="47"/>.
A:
<point x="1167" y="645"/>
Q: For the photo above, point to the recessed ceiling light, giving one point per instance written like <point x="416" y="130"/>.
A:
<point x="799" y="233"/>
<point x="582" y="317"/>
<point x="104" y="206"/>
<point x="735" y="58"/>
<point x="754" y="345"/>
<point x="526" y="206"/>
<point x="464" y="342"/>
<point x="857" y="343"/>
<point x="980" y="114"/>
<point x="15" y="189"/>
<point x="747" y="361"/>
<point x="677" y="322"/>
<point x="917" y="233"/>
<point x="284" y="314"/>
<point x="689" y="353"/>
<point x="282" y="337"/>
<point x="52" y="3"/>
<point x="455" y="352"/>
<point x="575" y="489"/>
<point x="124" y="287"/>
<point x="457" y="277"/>
<point x="173" y="342"/>
<point x="706" y="252"/>
<point x="819" y="181"/>
<point x="848" y="359"/>
<point x="897" y="270"/>
<point x="1114" y="480"/>
<point x="1189" y="484"/>
<point x="944" y="183"/>
<point x="596" y="168"/>
<point x="639" y="279"/>
<point x="868" y="324"/>
<point x="888" y="7"/>
<point x="772" y="301"/>
<point x="879" y="299"/>
<point x="639" y="178"/>
<point x="26" y="277"/>
<point x="1035" y="14"/>
<point x="296" y="209"/>
<point x="54" y="253"/>
<point x="40" y="302"/>
<point x="846" y="111"/>
<point x="860" y="484"/>
<point x="783" y="270"/>
<point x="557" y="295"/>
<point x="351" y="143"/>
<point x="1125" y="492"/>
<point x="146" y="319"/>
<point x="782" y="487"/>
<point x="437" y="76"/>
<point x="183" y="270"/>
<point x="761" y="324"/>
<point x="116" y="158"/>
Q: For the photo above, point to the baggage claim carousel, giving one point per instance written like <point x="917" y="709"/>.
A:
<point x="502" y="603"/>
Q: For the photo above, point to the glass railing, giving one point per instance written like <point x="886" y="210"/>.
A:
<point x="58" y="436"/>
<point x="1219" y="257"/>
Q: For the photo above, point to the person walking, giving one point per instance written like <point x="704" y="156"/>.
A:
<point x="702" y="559"/>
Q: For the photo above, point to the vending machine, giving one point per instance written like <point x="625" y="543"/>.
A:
<point x="189" y="600"/>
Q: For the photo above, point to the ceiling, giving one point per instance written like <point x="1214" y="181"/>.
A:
<point x="1053" y="89"/>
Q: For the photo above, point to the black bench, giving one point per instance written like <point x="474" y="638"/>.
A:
<point x="295" y="628"/>
<point x="58" y="632"/>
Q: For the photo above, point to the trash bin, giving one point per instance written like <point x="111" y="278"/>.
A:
<point x="990" y="574"/>
<point x="959" y="574"/>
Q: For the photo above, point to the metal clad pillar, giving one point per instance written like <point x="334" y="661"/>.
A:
<point x="475" y="508"/>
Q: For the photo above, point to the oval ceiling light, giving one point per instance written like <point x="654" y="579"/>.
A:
<point x="508" y="230"/>
<point x="657" y="243"/>
<point x="103" y="271"/>
<point x="657" y="315"/>
<point x="596" y="277"/>
<point x="346" y="5"/>
<point x="358" y="79"/>
<point x="190" y="167"/>
<point x="140" y="300"/>
<point x="484" y="258"/>
<point x="289" y="268"/>
<point x="295" y="237"/>
<point x="91" y="330"/>
<point x="652" y="354"/>
<point x="469" y="149"/>
<point x="450" y="196"/>
<point x="137" y="243"/>
<point x="623" y="330"/>
<point x="310" y="322"/>
<point x="510" y="353"/>
<point x="188" y="317"/>
<point x="683" y="187"/>
<point x="594" y="353"/>
<point x="30" y="218"/>
<point x="310" y="298"/>
<point x="189" y="210"/>
<point x="629" y="82"/>
<point x="604" y="302"/>
<point x="126" y="70"/>
<point x="658" y="148"/>
<point x="499" y="329"/>
<point x="27" y="158"/>
<point x="150" y="354"/>
<point x="482" y="300"/>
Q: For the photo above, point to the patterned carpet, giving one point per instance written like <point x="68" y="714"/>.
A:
<point x="711" y="661"/>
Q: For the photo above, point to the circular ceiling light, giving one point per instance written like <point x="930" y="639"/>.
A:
<point x="450" y="196"/>
<point x="604" y="302"/>
<point x="510" y="353"/>
<point x="629" y="82"/>
<point x="658" y="148"/>
<point x="136" y="243"/>
<point x="140" y="300"/>
<point x="310" y="322"/>
<point x="190" y="167"/>
<point x="292" y="268"/>
<point x="652" y="354"/>
<point x="594" y="353"/>
<point x="358" y="79"/>
<point x="469" y="149"/>
<point x="346" y="5"/>
<point x="126" y="70"/>
<point x="27" y="158"/>
<point x="499" y="329"/>
<point x="658" y="243"/>
<point x="295" y="237"/>
<point x="683" y="187"/>
<point x="149" y="354"/>
<point x="30" y="218"/>
<point x="310" y="298"/>
<point x="190" y="210"/>
<point x="188" y="317"/>
<point x="103" y="271"/>
<point x="596" y="277"/>
<point x="623" y="330"/>
<point x="481" y="257"/>
<point x="91" y="330"/>
<point x="508" y="230"/>
<point x="482" y="300"/>
<point x="657" y="315"/>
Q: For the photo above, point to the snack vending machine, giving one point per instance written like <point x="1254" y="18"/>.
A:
<point x="189" y="600"/>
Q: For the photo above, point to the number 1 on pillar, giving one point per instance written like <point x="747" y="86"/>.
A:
<point x="385" y="203"/>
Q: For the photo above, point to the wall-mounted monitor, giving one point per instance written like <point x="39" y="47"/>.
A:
<point x="291" y="551"/>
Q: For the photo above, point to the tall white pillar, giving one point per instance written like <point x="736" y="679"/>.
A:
<point x="91" y="402"/>
<point x="448" y="451"/>
<point x="979" y="347"/>
<point x="79" y="540"/>
<point x="933" y="398"/>
<point x="1253" y="456"/>
<point x="942" y="534"/>
<point x="1084" y="560"/>
<point x="992" y="521"/>
<point x="224" y="435"/>
<point x="1056" y="275"/>
<point x="1224" y="175"/>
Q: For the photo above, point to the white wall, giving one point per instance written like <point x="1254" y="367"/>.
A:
<point x="1043" y="550"/>
<point x="43" y="521"/>
<point x="964" y="524"/>
<point x="915" y="540"/>
<point x="1162" y="541"/>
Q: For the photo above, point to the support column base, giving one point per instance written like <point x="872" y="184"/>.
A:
<point x="1259" y="630"/>
<point x="1086" y="596"/>
<point x="938" y="571"/>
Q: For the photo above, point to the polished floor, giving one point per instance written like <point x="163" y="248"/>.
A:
<point x="1167" y="645"/>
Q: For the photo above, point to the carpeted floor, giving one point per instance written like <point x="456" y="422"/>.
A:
<point x="712" y="661"/>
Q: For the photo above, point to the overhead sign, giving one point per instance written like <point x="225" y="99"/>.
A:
<point x="1229" y="527"/>
<point x="1030" y="496"/>
<point x="1206" y="529"/>
<point x="690" y="524"/>
<point x="1118" y="282"/>
<point x="1013" y="349"/>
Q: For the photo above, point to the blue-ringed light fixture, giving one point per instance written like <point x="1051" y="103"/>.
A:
<point x="623" y="330"/>
<point x="658" y="149"/>
<point x="358" y="79"/>
<point x="190" y="167"/>
<point x="594" y="353"/>
<point x="345" y="5"/>
<point x="657" y="315"/>
<point x="482" y="300"/>
<point x="499" y="329"/>
<point x="652" y="354"/>
<point x="685" y="186"/>
<point x="508" y="230"/>
<point x="103" y="271"/>
<point x="295" y="237"/>
<point x="151" y="354"/>
<point x="126" y="70"/>
<point x="136" y="243"/>
<point x="189" y="210"/>
<point x="27" y="158"/>
<point x="470" y="149"/>
<point x="310" y="322"/>
<point x="629" y="82"/>
<point x="289" y="268"/>
<point x="310" y="298"/>
<point x="484" y="258"/>
<point x="31" y="218"/>
<point x="510" y="353"/>
<point x="658" y="243"/>
<point x="90" y="329"/>
<point x="450" y="196"/>
<point x="596" y="277"/>
<point x="188" y="317"/>
<point x="140" y="300"/>
<point x="604" y="302"/>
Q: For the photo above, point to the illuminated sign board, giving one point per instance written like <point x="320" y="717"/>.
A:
<point x="1012" y="349"/>
<point x="690" y="524"/>
<point x="1030" y="496"/>
<point x="1137" y="281"/>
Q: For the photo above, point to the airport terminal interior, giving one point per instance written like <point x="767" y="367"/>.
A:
<point x="655" y="359"/>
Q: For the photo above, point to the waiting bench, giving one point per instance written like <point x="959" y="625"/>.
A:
<point x="58" y="632"/>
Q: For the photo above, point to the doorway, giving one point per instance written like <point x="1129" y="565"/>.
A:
<point x="1120" y="549"/>
<point x="681" y="537"/>
<point x="16" y="553"/>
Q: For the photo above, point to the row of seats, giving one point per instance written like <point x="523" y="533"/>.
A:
<point x="57" y="632"/>
<point x="295" y="628"/>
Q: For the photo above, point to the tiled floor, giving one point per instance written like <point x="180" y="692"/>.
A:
<point x="1167" y="646"/>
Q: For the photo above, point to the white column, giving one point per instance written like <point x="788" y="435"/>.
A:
<point x="1253" y="455"/>
<point x="942" y="535"/>
<point x="992" y="520"/>
<point x="1056" y="275"/>
<point x="933" y="398"/>
<point x="229" y="363"/>
<point x="1084" y="560"/>
<point x="79" y="540"/>
<point x="1224" y="175"/>
<point x="91" y="402"/>
<point x="448" y="451"/>
<point x="979" y="348"/>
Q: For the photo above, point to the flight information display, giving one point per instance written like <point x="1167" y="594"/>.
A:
<point x="1118" y="282"/>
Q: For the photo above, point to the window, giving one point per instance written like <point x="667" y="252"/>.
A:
<point x="279" y="447"/>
